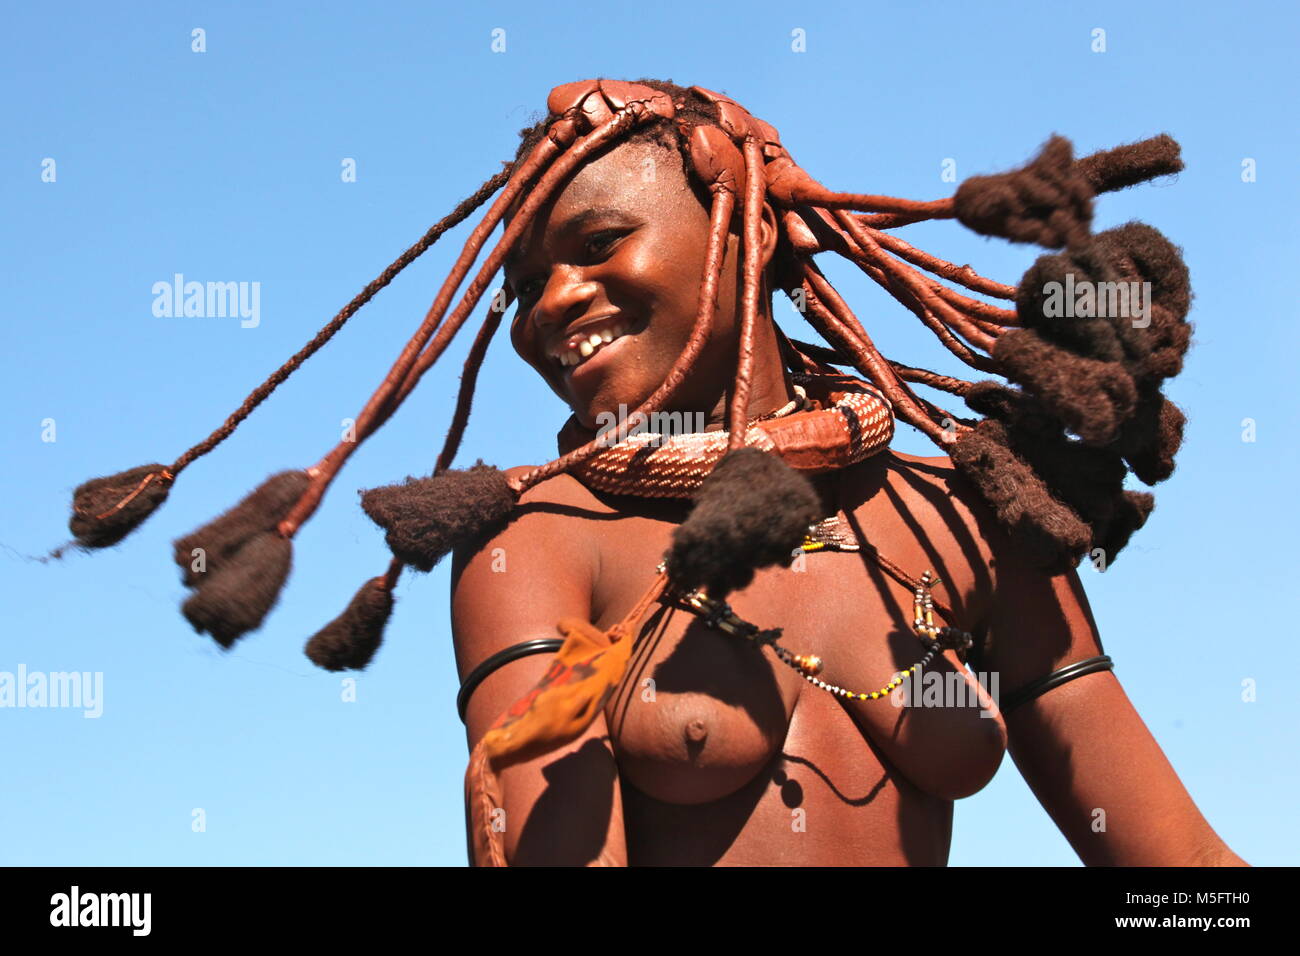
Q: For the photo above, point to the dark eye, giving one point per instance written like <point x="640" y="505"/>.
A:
<point x="596" y="245"/>
<point x="602" y="240"/>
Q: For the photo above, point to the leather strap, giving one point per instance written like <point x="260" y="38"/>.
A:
<point x="1036" y="688"/>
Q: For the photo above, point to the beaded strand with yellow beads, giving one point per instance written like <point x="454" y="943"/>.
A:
<point x="719" y="616"/>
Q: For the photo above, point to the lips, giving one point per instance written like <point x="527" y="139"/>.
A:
<point x="592" y="364"/>
<point x="590" y="338"/>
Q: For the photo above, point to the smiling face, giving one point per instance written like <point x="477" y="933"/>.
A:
<point x="621" y="249"/>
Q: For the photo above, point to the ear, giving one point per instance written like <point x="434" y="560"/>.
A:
<point x="769" y="235"/>
<point x="768" y="231"/>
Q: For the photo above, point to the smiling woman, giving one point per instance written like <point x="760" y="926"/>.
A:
<point x="745" y="611"/>
<point x="619" y="249"/>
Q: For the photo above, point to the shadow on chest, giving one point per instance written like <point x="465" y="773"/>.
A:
<point x="701" y="712"/>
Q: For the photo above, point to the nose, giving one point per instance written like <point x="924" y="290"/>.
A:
<point x="567" y="296"/>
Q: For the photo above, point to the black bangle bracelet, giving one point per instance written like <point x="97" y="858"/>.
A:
<point x="1036" y="688"/>
<point x="541" y="645"/>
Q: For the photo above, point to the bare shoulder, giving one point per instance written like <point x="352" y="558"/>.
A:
<point x="558" y="489"/>
<point x="930" y="494"/>
<point x="517" y="580"/>
<point x="542" y="522"/>
<point x="935" y="470"/>
<point x="920" y="514"/>
<point x="1036" y="619"/>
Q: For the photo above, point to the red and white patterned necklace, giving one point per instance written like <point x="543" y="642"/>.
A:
<point x="835" y="421"/>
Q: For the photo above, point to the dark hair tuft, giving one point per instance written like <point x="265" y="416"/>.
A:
<point x="350" y="640"/>
<point x="1046" y="201"/>
<point x="425" y="518"/>
<point x="1152" y="438"/>
<point x="236" y="597"/>
<point x="219" y="539"/>
<point x="751" y="512"/>
<point x="1052" y="534"/>
<point x="100" y="496"/>
<point x="1092" y="398"/>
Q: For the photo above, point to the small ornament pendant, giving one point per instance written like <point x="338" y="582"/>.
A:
<point x="831" y="534"/>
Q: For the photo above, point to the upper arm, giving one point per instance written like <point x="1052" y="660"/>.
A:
<point x="513" y="587"/>
<point x="1082" y="747"/>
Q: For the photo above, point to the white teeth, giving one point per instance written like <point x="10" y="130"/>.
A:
<point x="570" y="356"/>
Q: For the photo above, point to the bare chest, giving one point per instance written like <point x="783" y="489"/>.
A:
<point x="701" y="713"/>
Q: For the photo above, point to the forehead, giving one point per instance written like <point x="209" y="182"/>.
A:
<point x="637" y="179"/>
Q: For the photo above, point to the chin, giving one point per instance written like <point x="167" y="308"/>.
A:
<point x="606" y="412"/>
<point x="610" y="402"/>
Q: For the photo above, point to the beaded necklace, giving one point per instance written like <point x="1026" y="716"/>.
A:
<point x="719" y="616"/>
<point x="832" y="533"/>
<point x="850" y="422"/>
<point x="591" y="662"/>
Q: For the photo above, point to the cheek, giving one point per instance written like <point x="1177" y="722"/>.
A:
<point x="725" y="319"/>
<point x="651" y="272"/>
<point x="667" y="279"/>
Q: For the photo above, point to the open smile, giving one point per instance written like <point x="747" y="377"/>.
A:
<point x="577" y="348"/>
<point x="586" y="352"/>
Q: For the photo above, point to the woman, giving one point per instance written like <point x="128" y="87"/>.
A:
<point x="647" y="225"/>
<point x="734" y="759"/>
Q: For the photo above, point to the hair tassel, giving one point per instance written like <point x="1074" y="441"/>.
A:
<point x="106" y="510"/>
<point x="237" y="563"/>
<point x="751" y="512"/>
<point x="426" y="518"/>
<point x="236" y="597"/>
<point x="350" y="641"/>
<point x="1048" y="201"/>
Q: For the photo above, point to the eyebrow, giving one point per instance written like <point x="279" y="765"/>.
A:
<point x="571" y="225"/>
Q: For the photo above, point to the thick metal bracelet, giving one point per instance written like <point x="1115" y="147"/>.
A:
<point x="542" y="645"/>
<point x="1036" y="688"/>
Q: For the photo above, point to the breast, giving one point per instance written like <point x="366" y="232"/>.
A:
<point x="700" y="715"/>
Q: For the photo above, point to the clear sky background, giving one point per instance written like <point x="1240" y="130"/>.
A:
<point x="225" y="166"/>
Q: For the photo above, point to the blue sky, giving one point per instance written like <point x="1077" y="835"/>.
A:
<point x="225" y="166"/>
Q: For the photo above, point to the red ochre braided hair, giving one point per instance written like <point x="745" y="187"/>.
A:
<point x="1080" y="404"/>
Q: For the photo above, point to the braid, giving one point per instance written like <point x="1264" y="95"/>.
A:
<point x="1089" y="376"/>
<point x="457" y="216"/>
<point x="1082" y="403"/>
<point x="105" y="510"/>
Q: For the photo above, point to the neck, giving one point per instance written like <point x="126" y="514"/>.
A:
<point x="770" y="386"/>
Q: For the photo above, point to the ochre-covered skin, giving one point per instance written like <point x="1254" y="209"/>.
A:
<point x="727" y="756"/>
<point x="712" y="752"/>
<point x="715" y="765"/>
